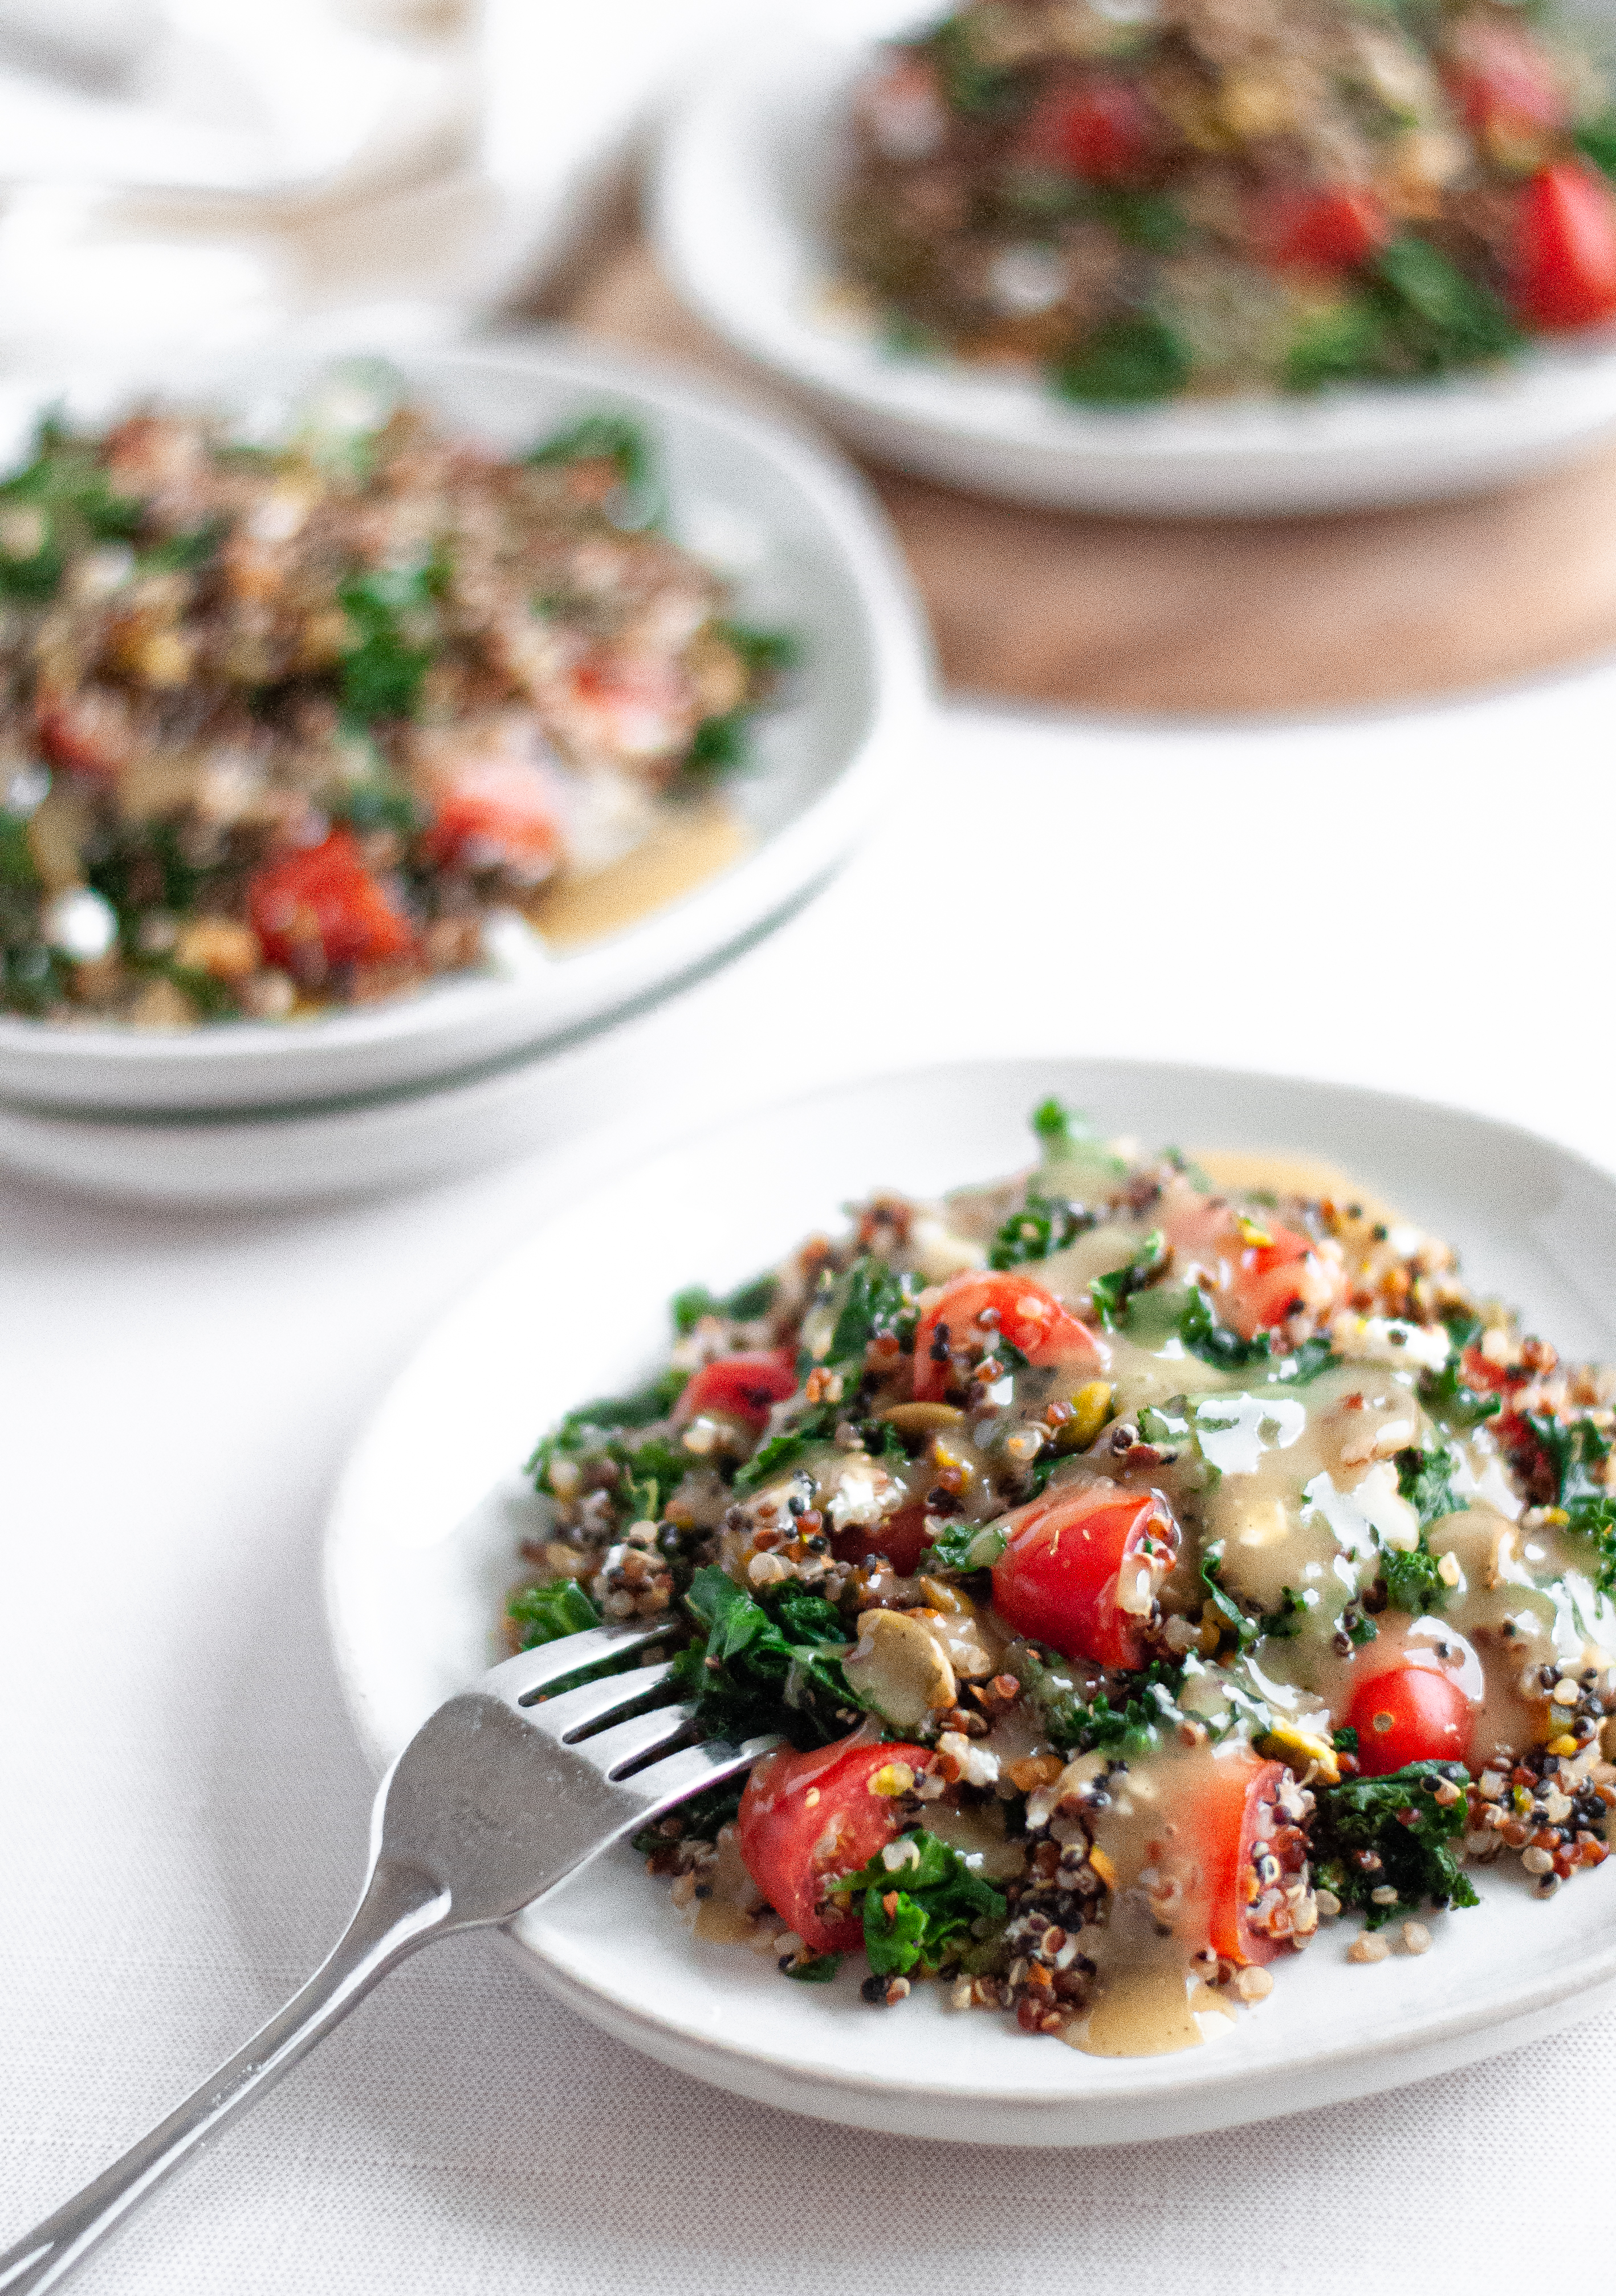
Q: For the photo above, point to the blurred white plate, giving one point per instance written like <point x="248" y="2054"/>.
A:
<point x="806" y="552"/>
<point x="423" y="1541"/>
<point x="746" y="168"/>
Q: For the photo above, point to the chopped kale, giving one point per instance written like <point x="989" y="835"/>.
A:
<point x="814" y="1969"/>
<point x="386" y="664"/>
<point x="66" y="489"/>
<point x="1410" y="1576"/>
<point x="184" y="554"/>
<point x="1574" y="1448"/>
<point x="760" y="1656"/>
<point x="1241" y="1623"/>
<point x="719" y="745"/>
<point x="922" y="1904"/>
<point x="964" y="1546"/>
<point x="765" y="655"/>
<point x="700" y="1818"/>
<point x="1411" y="1579"/>
<point x="1127" y="362"/>
<point x="1111" y="1293"/>
<point x="1045" y="1223"/>
<point x="1414" y="314"/>
<point x="783" y="1451"/>
<point x="969" y="84"/>
<point x="545" y="1614"/>
<point x="648" y="1468"/>
<point x="1287" y="1620"/>
<point x="1392" y="1833"/>
<point x="1444" y="1391"/>
<point x="869" y="1301"/>
<point x="1597" y="139"/>
<point x="1128" y="1721"/>
<point x="1152" y="220"/>
<point x="743" y="1305"/>
<point x="1426" y="1480"/>
<point x="1215" y="1343"/>
<point x="615" y="439"/>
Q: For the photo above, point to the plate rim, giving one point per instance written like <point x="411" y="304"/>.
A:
<point x="1558" y="1993"/>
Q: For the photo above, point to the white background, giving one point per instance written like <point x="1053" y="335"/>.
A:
<point x="1419" y="902"/>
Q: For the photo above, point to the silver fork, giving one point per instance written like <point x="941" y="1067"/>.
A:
<point x="494" y="1800"/>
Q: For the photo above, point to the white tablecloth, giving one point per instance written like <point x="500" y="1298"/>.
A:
<point x="1422" y="903"/>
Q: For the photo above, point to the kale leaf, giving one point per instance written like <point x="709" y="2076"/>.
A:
<point x="545" y="1614"/>
<point x="638" y="501"/>
<point x="869" y="1301"/>
<point x="1111" y="1293"/>
<point x="1215" y="1343"/>
<point x="1129" y="1721"/>
<point x="1412" y="1837"/>
<point x="1444" y="1391"/>
<point x="1410" y="1575"/>
<point x="1411" y="1579"/>
<point x="1045" y="1223"/>
<point x="1574" y="1448"/>
<point x="743" y="1305"/>
<point x="922" y="1904"/>
<point x="1414" y="314"/>
<point x="1127" y="362"/>
<point x="773" y="1663"/>
<point x="963" y="1546"/>
<point x="700" y="1818"/>
<point x="385" y="666"/>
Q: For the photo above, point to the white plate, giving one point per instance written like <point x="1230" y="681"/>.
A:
<point x="746" y="168"/>
<point x="422" y="1540"/>
<point x="807" y="551"/>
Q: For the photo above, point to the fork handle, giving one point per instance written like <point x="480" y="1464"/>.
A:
<point x="399" y="1911"/>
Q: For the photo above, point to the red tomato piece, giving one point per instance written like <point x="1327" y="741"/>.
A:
<point x="805" y="1819"/>
<point x="903" y="1538"/>
<point x="1410" y="1714"/>
<point x="1102" y="130"/>
<point x="1229" y="1813"/>
<point x="1329" y="229"/>
<point x="496" y="812"/>
<point x="87" y="733"/>
<point x="1031" y="1319"/>
<point x="1081" y="1569"/>
<point x="1565" y="249"/>
<point x="635" y="711"/>
<point x="1506" y="86"/>
<point x="743" y="1387"/>
<point x="1262" y="1274"/>
<point x="320" y="906"/>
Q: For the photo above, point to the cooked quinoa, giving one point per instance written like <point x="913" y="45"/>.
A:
<point x="284" y="728"/>
<point x="1211" y="196"/>
<point x="1141" y="1573"/>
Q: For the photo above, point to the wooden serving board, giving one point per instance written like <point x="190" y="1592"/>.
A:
<point x="1211" y="616"/>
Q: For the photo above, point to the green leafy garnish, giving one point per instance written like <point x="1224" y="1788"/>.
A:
<point x="1127" y="361"/>
<point x="743" y="1305"/>
<point x="922" y="1904"/>
<point x="700" y="1818"/>
<point x="615" y="439"/>
<point x="385" y="666"/>
<point x="1411" y="1836"/>
<point x="1416" y="314"/>
<point x="964" y="1546"/>
<point x="1215" y="1343"/>
<point x="1574" y="1448"/>
<point x="1045" y="1223"/>
<point x="545" y="1614"/>
<point x="765" y="655"/>
<point x="1110" y="1293"/>
<point x="1128" y="1721"/>
<point x="869" y="1301"/>
<point x="1444" y="1392"/>
<point x="814" y="1969"/>
<point x="759" y="1656"/>
<point x="969" y="84"/>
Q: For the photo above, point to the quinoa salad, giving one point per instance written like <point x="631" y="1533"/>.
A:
<point x="290" y="726"/>
<point x="1218" y="196"/>
<point x="1146" y="1576"/>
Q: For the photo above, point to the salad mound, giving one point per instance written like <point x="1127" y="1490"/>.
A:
<point x="293" y="727"/>
<point x="1211" y="196"/>
<point x="1140" y="1573"/>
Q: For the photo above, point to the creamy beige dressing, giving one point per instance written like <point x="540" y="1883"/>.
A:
<point x="683" y="851"/>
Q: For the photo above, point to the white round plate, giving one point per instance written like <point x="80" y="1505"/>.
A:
<point x="422" y="1547"/>
<point x="806" y="552"/>
<point x="745" y="174"/>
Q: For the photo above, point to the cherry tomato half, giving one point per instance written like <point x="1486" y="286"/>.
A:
<point x="1102" y="130"/>
<point x="496" y="813"/>
<point x="1262" y="1273"/>
<point x="1565" y="249"/>
<point x="1233" y="1807"/>
<point x="320" y="906"/>
<point x="1410" y="1714"/>
<point x="743" y="1387"/>
<point x="1327" y="229"/>
<point x="1031" y="1319"/>
<point x="87" y="733"/>
<point x="805" y="1819"/>
<point x="1505" y="84"/>
<point x="902" y="1537"/>
<point x="1081" y="1569"/>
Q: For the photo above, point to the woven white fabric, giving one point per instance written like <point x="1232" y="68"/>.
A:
<point x="182" y="1807"/>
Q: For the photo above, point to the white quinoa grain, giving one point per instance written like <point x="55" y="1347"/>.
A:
<point x="1537" y="1861"/>
<point x="1416" y="1938"/>
<point x="1368" y="1947"/>
<point x="1328" y="1904"/>
<point x="1254" y="1985"/>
